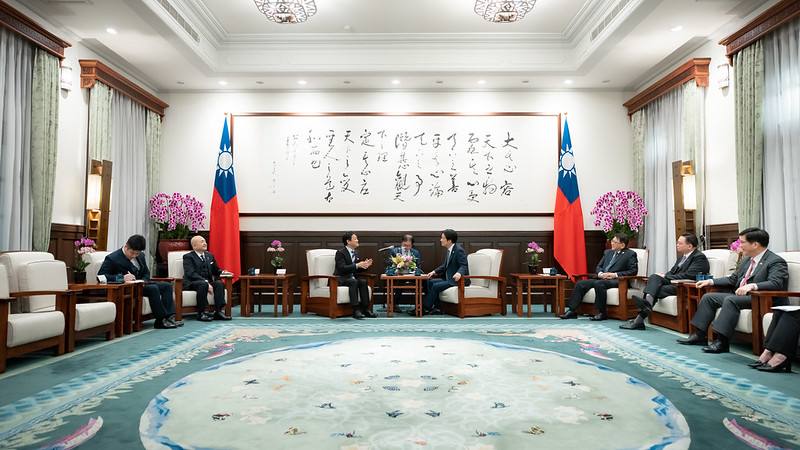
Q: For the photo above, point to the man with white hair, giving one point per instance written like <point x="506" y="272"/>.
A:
<point x="201" y="274"/>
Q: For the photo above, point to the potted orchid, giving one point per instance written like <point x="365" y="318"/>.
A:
<point x="619" y="212"/>
<point x="533" y="252"/>
<point x="736" y="247"/>
<point x="83" y="246"/>
<point x="177" y="216"/>
<point x="276" y="248"/>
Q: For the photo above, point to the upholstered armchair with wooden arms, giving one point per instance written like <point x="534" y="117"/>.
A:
<point x="320" y="290"/>
<point x="186" y="301"/>
<point x="619" y="300"/>
<point x="486" y="293"/>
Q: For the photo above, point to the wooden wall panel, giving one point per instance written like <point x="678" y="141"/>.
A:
<point x="62" y="243"/>
<point x="721" y="235"/>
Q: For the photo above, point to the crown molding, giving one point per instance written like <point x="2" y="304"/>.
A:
<point x="777" y="15"/>
<point x="93" y="71"/>
<point x="19" y="23"/>
<point x="696" y="69"/>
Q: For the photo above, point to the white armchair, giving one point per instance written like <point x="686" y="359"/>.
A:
<point x="320" y="290"/>
<point x="765" y="298"/>
<point x="671" y="312"/>
<point x="486" y="292"/>
<point x="186" y="301"/>
<point x="22" y="333"/>
<point x="619" y="300"/>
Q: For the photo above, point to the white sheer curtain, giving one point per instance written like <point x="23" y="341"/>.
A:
<point x="782" y="137"/>
<point x="16" y="208"/>
<point x="663" y="142"/>
<point x="128" y="214"/>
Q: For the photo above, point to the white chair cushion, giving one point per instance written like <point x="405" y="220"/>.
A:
<point x="190" y="299"/>
<point x="13" y="260"/>
<point x="667" y="305"/>
<point x="321" y="261"/>
<point x="175" y="264"/>
<point x="342" y="293"/>
<point x="90" y="315"/>
<point x="612" y="295"/>
<point x="766" y="321"/>
<point x="793" y="261"/>
<point x="479" y="264"/>
<point x="450" y="295"/>
<point x="146" y="306"/>
<point x="722" y="262"/>
<point x="42" y="276"/>
<point x="31" y="327"/>
<point x="95" y="261"/>
<point x="4" y="293"/>
<point x="745" y="322"/>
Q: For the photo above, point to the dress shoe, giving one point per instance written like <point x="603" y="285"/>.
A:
<point x="785" y="366"/>
<point x="632" y="325"/>
<point x="598" y="317"/>
<point x="205" y="317"/>
<point x="219" y="315"/>
<point x="432" y="312"/>
<point x="175" y="321"/>
<point x="358" y="316"/>
<point x="693" y="339"/>
<point x="412" y="312"/>
<point x="718" y="346"/>
<point x="162" y="324"/>
<point x="370" y="314"/>
<point x="756" y="364"/>
<point x="569" y="315"/>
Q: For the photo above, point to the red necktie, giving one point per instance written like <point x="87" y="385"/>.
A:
<point x="749" y="272"/>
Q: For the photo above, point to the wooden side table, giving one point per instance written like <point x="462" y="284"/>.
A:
<point x="250" y="283"/>
<point x="544" y="283"/>
<point x="391" y="285"/>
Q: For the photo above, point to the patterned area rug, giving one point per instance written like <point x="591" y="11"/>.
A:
<point x="403" y="384"/>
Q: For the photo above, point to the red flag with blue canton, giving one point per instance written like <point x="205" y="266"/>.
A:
<point x="568" y="239"/>
<point x="224" y="227"/>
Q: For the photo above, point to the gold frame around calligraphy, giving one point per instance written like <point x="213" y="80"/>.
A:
<point x="392" y="214"/>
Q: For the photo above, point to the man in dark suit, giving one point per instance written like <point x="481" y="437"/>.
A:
<point x="347" y="266"/>
<point x="406" y="248"/>
<point x="761" y="270"/>
<point x="201" y="274"/>
<point x="618" y="261"/>
<point x="127" y="265"/>
<point x="691" y="262"/>
<point x="454" y="267"/>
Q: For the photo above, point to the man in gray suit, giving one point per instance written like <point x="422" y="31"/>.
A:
<point x="761" y="270"/>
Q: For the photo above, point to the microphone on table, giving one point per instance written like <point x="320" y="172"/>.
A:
<point x="386" y="248"/>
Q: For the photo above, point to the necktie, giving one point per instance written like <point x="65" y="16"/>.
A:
<point x="683" y="261"/>
<point x="447" y="261"/>
<point x="749" y="272"/>
<point x="611" y="262"/>
<point x="203" y="257"/>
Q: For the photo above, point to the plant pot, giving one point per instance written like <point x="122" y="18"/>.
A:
<point x="171" y="245"/>
<point x="533" y="269"/>
<point x="79" y="277"/>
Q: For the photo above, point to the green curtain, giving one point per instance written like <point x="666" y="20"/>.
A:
<point x="748" y="84"/>
<point x="638" y="121"/>
<point x="100" y="122"/>
<point x="44" y="140"/>
<point x="694" y="145"/>
<point x="153" y="152"/>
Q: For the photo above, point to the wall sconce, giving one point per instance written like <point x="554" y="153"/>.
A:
<point x="66" y="78"/>
<point x="689" y="193"/>
<point x="723" y="75"/>
<point x="93" y="192"/>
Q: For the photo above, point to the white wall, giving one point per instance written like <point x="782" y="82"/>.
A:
<point x="599" y="127"/>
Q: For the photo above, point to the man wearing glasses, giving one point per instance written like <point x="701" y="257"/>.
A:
<point x="619" y="261"/>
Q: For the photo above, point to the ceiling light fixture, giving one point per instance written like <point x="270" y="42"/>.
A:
<point x="503" y="11"/>
<point x="676" y="28"/>
<point x="302" y="82"/>
<point x="395" y="82"/>
<point x="567" y="81"/>
<point x="110" y="30"/>
<point x="223" y="83"/>
<point x="287" y="11"/>
<point x="481" y="81"/>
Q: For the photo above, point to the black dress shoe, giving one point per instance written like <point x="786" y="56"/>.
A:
<point x="204" y="317"/>
<point x="162" y="324"/>
<point x="412" y="312"/>
<point x="358" y="316"/>
<point x="693" y="339"/>
<point x="569" y="315"/>
<point x="757" y="364"/>
<point x="718" y="346"/>
<point x="632" y="325"/>
<point x="432" y="312"/>
<point x="598" y="317"/>
<point x="219" y="315"/>
<point x="370" y="314"/>
<point x="177" y="323"/>
<point x="785" y="366"/>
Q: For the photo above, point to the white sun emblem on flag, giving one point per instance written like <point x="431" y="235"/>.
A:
<point x="567" y="163"/>
<point x="225" y="162"/>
